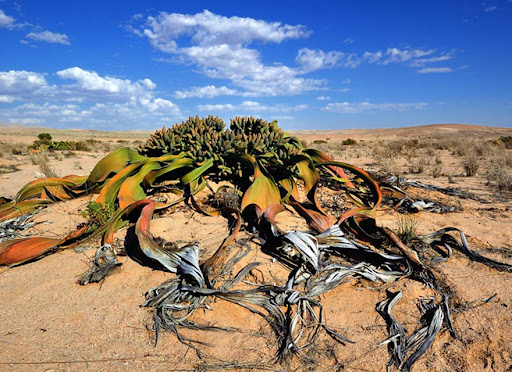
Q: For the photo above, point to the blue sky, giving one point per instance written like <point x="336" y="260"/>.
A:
<point x="345" y="64"/>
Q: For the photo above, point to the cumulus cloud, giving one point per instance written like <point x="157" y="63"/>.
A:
<point x="21" y="83"/>
<point x="250" y="107"/>
<point x="359" y="107"/>
<point x="221" y="48"/>
<point x="323" y="98"/>
<point x="49" y="37"/>
<point x="209" y="29"/>
<point x="89" y="83"/>
<point x="97" y="100"/>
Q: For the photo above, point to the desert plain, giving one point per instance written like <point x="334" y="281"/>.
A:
<point x="51" y="323"/>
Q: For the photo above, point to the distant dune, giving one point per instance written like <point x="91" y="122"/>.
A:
<point x="23" y="133"/>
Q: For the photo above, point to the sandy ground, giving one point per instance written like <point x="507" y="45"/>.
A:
<point x="50" y="323"/>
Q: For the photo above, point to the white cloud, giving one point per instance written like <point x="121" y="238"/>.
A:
<point x="90" y="83"/>
<point x="395" y="55"/>
<point x="6" y="99"/>
<point x="489" y="9"/>
<point x="359" y="107"/>
<point x="430" y="70"/>
<point x="5" y="20"/>
<point x="21" y="83"/>
<point x="250" y="107"/>
<point x="312" y="60"/>
<point x="208" y="91"/>
<point x="219" y="46"/>
<point x="97" y="100"/>
<point x="209" y="29"/>
<point x="323" y="98"/>
<point x="49" y="37"/>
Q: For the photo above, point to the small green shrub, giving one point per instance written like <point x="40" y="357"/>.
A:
<point x="98" y="215"/>
<point x="45" y="137"/>
<point x="349" y="142"/>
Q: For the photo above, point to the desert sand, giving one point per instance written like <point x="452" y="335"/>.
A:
<point x="50" y="323"/>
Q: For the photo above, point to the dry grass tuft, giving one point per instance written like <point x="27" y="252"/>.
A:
<point x="43" y="162"/>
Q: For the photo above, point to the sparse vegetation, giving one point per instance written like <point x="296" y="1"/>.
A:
<point x="471" y="165"/>
<point x="98" y="214"/>
<point x="349" y="142"/>
<point x="256" y="169"/>
<point x="41" y="159"/>
<point x="506" y="141"/>
<point x="406" y="226"/>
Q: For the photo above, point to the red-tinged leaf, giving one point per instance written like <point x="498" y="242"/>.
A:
<point x="19" y="209"/>
<point x="6" y="205"/>
<point x="315" y="218"/>
<point x="320" y="157"/>
<point x="376" y="194"/>
<point x="33" y="189"/>
<point x="18" y="251"/>
<point x="291" y="188"/>
<point x="272" y="211"/>
<point x="116" y="221"/>
<point x="110" y="190"/>
<point x="57" y="193"/>
<point x="131" y="191"/>
<point x="112" y="163"/>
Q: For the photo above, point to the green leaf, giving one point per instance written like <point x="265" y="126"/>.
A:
<point x="110" y="190"/>
<point x="263" y="192"/>
<point x="112" y="163"/>
<point x="196" y="173"/>
<point x="130" y="190"/>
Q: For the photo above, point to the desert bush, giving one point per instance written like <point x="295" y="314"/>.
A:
<point x="499" y="173"/>
<point x="389" y="165"/>
<point x="436" y="170"/>
<point x="471" y="165"/>
<point x="445" y="144"/>
<point x="7" y="150"/>
<point x="396" y="146"/>
<point x="349" y="142"/>
<point x="45" y="137"/>
<point x="506" y="141"/>
<point x="418" y="166"/>
<point x="318" y="142"/>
